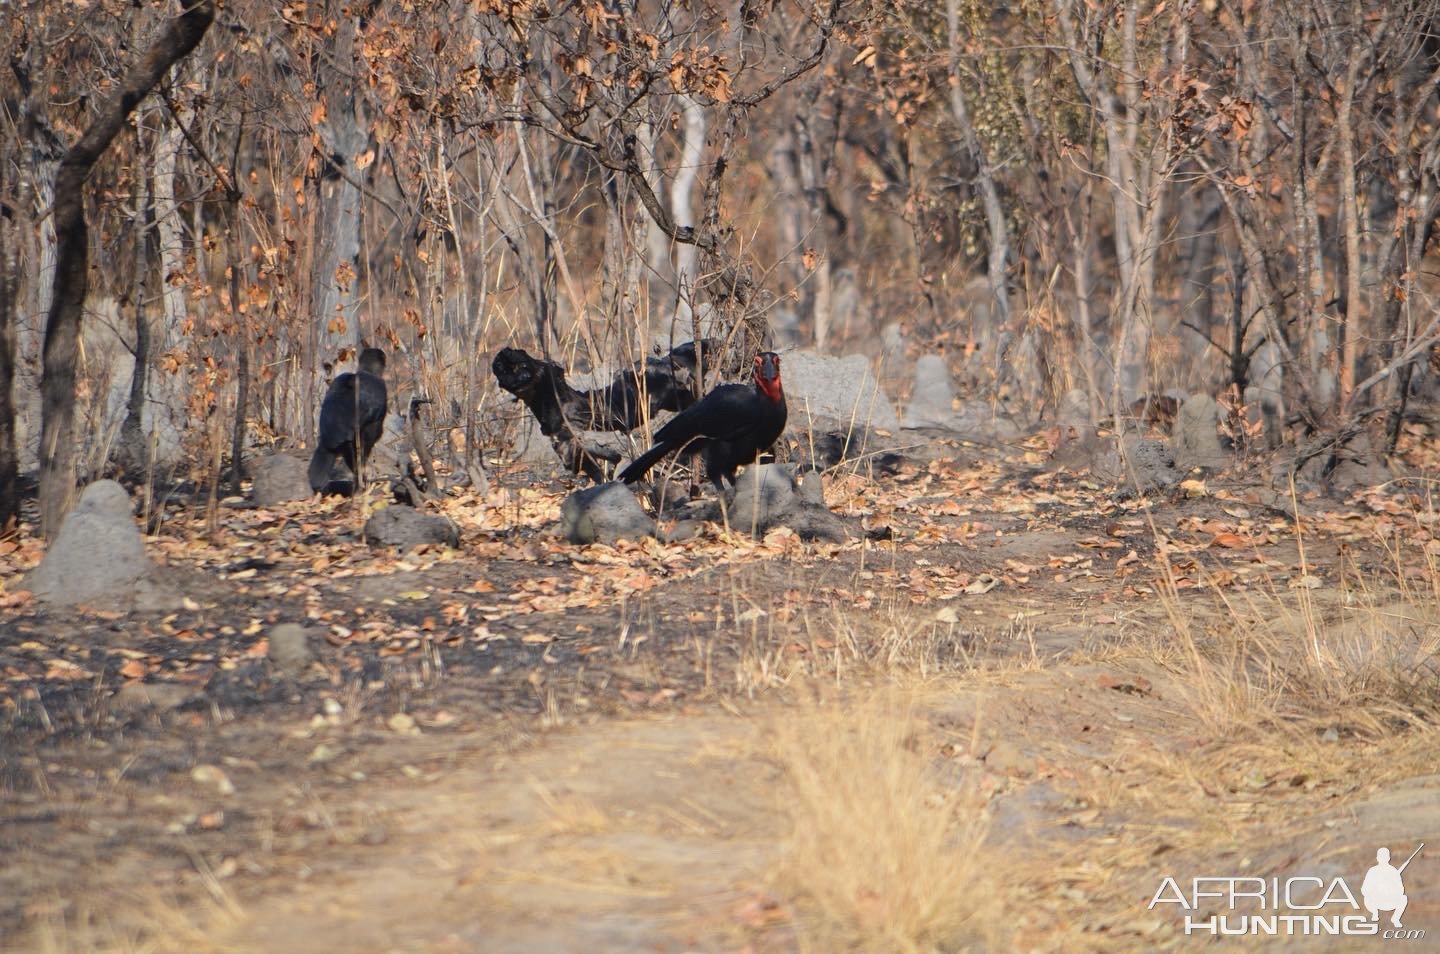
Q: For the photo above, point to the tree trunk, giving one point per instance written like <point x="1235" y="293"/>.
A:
<point x="682" y="191"/>
<point x="165" y="416"/>
<point x="1351" y="329"/>
<point x="658" y="273"/>
<point x="1196" y="252"/>
<point x="134" y="448"/>
<point x="9" y="362"/>
<point x="40" y="151"/>
<point x="998" y="230"/>
<point x="242" y="355"/>
<point x="813" y="169"/>
<point x="337" y="221"/>
<point x="613" y="256"/>
<point x="62" y="327"/>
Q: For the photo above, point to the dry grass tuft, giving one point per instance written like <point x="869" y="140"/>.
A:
<point x="882" y="855"/>
<point x="1359" y="661"/>
<point x="148" y="925"/>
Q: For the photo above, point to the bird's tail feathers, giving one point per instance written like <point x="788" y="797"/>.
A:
<point x="321" y="464"/>
<point x="641" y="465"/>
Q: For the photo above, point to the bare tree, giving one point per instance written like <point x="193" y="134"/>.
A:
<point x="62" y="329"/>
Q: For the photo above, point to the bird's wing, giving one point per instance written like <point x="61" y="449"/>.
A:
<point x="374" y="397"/>
<point x="337" y="412"/>
<point x="725" y="413"/>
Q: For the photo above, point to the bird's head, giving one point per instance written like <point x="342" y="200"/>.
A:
<point x="372" y="361"/>
<point x="767" y="375"/>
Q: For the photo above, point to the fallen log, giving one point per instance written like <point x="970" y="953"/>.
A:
<point x="668" y="382"/>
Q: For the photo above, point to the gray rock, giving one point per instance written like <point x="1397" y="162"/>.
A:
<point x="161" y="696"/>
<point x="1197" y="436"/>
<point x="932" y="399"/>
<point x="811" y="489"/>
<point x="280" y="478"/>
<point x="154" y="592"/>
<point x="1356" y="465"/>
<point x="977" y="419"/>
<point x="769" y="495"/>
<point x="933" y="405"/>
<point x="785" y="326"/>
<point x="99" y="554"/>
<point x="604" y="514"/>
<point x="1139" y="464"/>
<point x="1151" y="465"/>
<point x="290" y="648"/>
<point x="406" y="527"/>
<point x="842" y="389"/>
<point x="532" y="447"/>
<point x="683" y="530"/>
<point x="763" y="495"/>
<point x="894" y="347"/>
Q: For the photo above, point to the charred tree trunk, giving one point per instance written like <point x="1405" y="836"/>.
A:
<point x="62" y="327"/>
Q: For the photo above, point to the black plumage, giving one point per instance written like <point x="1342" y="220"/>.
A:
<point x="352" y="416"/>
<point x="729" y="427"/>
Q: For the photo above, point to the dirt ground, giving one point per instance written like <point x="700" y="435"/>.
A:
<point x="1000" y="729"/>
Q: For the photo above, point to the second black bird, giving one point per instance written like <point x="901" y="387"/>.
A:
<point x="729" y="427"/>
<point x="352" y="418"/>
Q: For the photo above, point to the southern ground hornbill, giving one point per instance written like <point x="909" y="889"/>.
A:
<point x="730" y="426"/>
<point x="353" y="412"/>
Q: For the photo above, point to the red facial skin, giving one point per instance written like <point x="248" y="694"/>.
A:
<point x="767" y="376"/>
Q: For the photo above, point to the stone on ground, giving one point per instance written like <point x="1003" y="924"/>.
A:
<point x="1197" y="435"/>
<point x="604" y="514"/>
<point x="934" y="405"/>
<point x="1137" y="464"/>
<point x="280" y="478"/>
<point x="391" y="452"/>
<point x="159" y="696"/>
<point x="533" y="447"/>
<point x="764" y="494"/>
<point x="290" y="648"/>
<point x="99" y="554"/>
<point x="835" y="389"/>
<point x="1356" y="465"/>
<point x="406" y="527"/>
<point x="932" y="399"/>
<point x="770" y="495"/>
<point x="1149" y="465"/>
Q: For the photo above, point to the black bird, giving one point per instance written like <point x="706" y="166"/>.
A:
<point x="353" y="410"/>
<point x="730" y="426"/>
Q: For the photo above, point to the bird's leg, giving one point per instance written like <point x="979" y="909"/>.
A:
<point x="693" y="485"/>
<point x="348" y="453"/>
